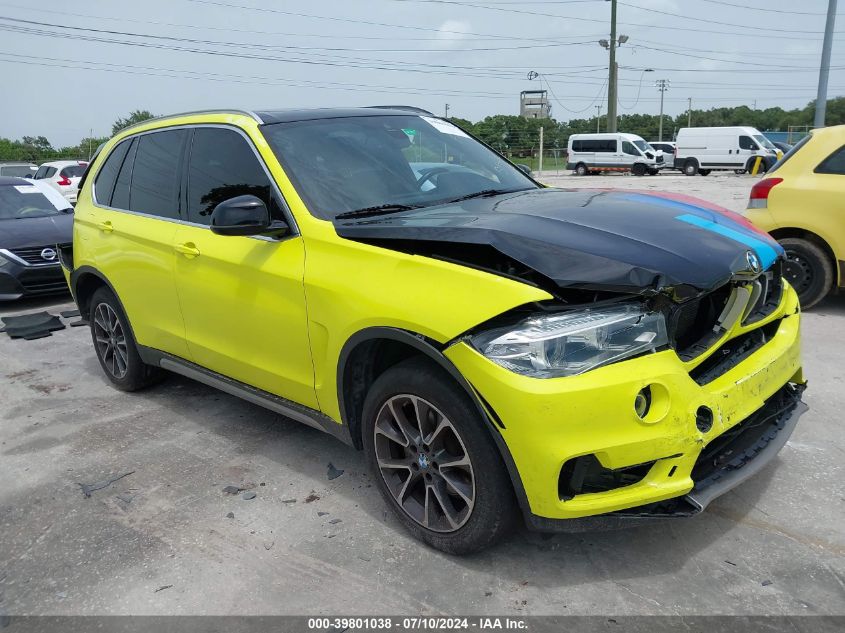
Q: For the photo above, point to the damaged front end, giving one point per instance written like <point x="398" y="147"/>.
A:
<point x="664" y="370"/>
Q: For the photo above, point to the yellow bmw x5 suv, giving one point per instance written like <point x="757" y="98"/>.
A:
<point x="495" y="347"/>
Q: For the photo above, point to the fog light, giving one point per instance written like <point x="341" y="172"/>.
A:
<point x="642" y="403"/>
<point x="704" y="419"/>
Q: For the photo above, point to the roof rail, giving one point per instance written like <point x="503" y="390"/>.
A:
<point x="402" y="107"/>
<point x="248" y="113"/>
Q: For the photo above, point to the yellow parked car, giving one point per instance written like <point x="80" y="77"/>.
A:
<point x="495" y="347"/>
<point x="801" y="203"/>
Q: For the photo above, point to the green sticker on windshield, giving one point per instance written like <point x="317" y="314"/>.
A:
<point x="410" y="133"/>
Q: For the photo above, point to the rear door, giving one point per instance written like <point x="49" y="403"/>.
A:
<point x="134" y="222"/>
<point x="243" y="298"/>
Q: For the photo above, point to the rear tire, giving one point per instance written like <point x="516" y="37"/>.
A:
<point x="704" y="172"/>
<point x="581" y="170"/>
<point x="691" y="167"/>
<point x="115" y="344"/>
<point x="402" y="410"/>
<point x="808" y="270"/>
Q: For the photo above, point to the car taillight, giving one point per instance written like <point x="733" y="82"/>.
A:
<point x="759" y="198"/>
<point x="64" y="181"/>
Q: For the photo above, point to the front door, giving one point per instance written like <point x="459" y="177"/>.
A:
<point x="242" y="298"/>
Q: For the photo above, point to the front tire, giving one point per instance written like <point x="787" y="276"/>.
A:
<point x="638" y="169"/>
<point x="690" y="167"/>
<point x="115" y="344"/>
<point x="808" y="270"/>
<point x="434" y="461"/>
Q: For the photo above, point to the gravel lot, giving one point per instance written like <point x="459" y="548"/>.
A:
<point x="159" y="541"/>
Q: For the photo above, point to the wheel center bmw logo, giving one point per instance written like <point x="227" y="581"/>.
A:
<point x="753" y="261"/>
<point x="48" y="254"/>
<point x="422" y="460"/>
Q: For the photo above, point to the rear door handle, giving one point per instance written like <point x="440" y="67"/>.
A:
<point x="105" y="227"/>
<point x="188" y="249"/>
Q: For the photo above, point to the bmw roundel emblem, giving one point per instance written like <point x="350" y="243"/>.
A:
<point x="753" y="261"/>
<point x="48" y="254"/>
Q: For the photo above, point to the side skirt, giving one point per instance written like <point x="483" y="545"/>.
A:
<point x="277" y="404"/>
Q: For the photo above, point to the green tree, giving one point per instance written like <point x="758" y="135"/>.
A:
<point x="134" y="117"/>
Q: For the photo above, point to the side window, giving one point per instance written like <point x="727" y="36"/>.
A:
<point x="628" y="148"/>
<point x="223" y="165"/>
<point x="107" y="176"/>
<point x="156" y="174"/>
<point x="51" y="171"/>
<point x="120" y="198"/>
<point x="577" y="146"/>
<point x="833" y="164"/>
<point x="41" y="173"/>
<point x="746" y="142"/>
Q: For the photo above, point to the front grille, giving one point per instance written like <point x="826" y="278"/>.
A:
<point x="33" y="255"/>
<point x="697" y="324"/>
<point x="733" y="352"/>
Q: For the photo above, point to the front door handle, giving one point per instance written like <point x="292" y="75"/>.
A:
<point x="188" y="249"/>
<point x="105" y="227"/>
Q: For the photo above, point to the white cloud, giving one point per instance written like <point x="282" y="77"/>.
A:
<point x="451" y="33"/>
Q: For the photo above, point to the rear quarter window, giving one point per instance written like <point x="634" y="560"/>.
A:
<point x="833" y="164"/>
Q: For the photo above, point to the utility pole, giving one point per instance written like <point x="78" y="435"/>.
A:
<point x="611" y="80"/>
<point x="662" y="86"/>
<point x="446" y="113"/>
<point x="598" y="118"/>
<point x="689" y="112"/>
<point x="90" y="137"/>
<point x="824" y="69"/>
<point x="540" y="165"/>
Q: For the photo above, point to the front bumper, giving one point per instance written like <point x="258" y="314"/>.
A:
<point x="17" y="280"/>
<point x="547" y="424"/>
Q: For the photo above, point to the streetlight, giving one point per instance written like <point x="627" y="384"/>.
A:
<point x="613" y="74"/>
<point x="662" y="86"/>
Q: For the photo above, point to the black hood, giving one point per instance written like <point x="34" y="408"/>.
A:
<point x="30" y="232"/>
<point x="584" y="239"/>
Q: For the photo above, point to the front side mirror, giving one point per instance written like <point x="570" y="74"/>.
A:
<point x="524" y="169"/>
<point x="241" y="215"/>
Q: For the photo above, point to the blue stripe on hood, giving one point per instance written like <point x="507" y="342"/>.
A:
<point x="767" y="251"/>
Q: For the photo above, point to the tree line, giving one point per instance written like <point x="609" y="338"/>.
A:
<point x="509" y="134"/>
<point x="516" y="136"/>
<point x="38" y="149"/>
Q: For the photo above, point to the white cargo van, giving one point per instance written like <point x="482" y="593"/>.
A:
<point x="592" y="153"/>
<point x="703" y="149"/>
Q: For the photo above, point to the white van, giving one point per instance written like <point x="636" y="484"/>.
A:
<point x="592" y="153"/>
<point x="703" y="149"/>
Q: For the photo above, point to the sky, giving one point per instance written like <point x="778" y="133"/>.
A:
<point x="72" y="67"/>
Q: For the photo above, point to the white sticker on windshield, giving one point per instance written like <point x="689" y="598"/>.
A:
<point x="27" y="188"/>
<point x="444" y="126"/>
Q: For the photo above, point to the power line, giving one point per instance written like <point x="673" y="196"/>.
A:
<point x="697" y="19"/>
<point x="755" y="31"/>
<point x="767" y="10"/>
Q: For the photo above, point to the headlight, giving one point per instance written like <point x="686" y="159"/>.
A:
<point x="569" y="343"/>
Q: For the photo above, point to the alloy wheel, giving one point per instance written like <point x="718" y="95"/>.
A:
<point x="424" y="463"/>
<point x="111" y="340"/>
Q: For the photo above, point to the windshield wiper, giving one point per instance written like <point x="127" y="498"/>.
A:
<point x="381" y="209"/>
<point x="484" y="193"/>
